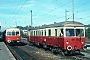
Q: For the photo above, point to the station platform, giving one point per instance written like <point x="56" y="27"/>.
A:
<point x="5" y="53"/>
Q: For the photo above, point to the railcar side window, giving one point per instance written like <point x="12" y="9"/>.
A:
<point x="79" y="32"/>
<point x="38" y="32"/>
<point x="8" y="33"/>
<point x="42" y="32"/>
<point x="55" y="32"/>
<point x="34" y="33"/>
<point x="70" y="32"/>
<point x="13" y="33"/>
<point x="31" y="33"/>
<point x="49" y="32"/>
<point x="45" y="32"/>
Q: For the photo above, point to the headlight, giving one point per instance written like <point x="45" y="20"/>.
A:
<point x="17" y="38"/>
<point x="69" y="48"/>
<point x="67" y="42"/>
<point x="82" y="42"/>
<point x="45" y="40"/>
<point x="9" y="41"/>
<point x="18" y="41"/>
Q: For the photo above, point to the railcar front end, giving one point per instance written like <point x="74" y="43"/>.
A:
<point x="12" y="36"/>
<point x="74" y="39"/>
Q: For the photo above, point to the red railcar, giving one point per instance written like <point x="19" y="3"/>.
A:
<point x="12" y="35"/>
<point x="68" y="36"/>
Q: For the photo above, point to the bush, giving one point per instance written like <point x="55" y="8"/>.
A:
<point x="88" y="33"/>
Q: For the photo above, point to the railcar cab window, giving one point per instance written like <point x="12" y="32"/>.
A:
<point x="70" y="32"/>
<point x="79" y="32"/>
<point x="17" y="33"/>
<point x="8" y="33"/>
<point x="13" y="33"/>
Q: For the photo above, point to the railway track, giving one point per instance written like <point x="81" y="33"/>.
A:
<point x="26" y="52"/>
<point x="21" y="54"/>
<point x="84" y="54"/>
<point x="81" y="56"/>
<point x="52" y="56"/>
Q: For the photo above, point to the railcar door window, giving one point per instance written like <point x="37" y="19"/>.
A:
<point x="70" y="32"/>
<point x="13" y="33"/>
<point x="8" y="33"/>
<point x="79" y="32"/>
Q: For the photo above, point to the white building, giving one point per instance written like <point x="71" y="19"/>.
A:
<point x="25" y="32"/>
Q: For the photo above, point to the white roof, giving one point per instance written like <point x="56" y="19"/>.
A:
<point x="12" y="29"/>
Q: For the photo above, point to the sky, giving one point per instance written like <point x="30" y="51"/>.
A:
<point x="18" y="12"/>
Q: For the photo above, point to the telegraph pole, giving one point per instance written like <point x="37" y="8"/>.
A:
<point x="73" y="9"/>
<point x="66" y="15"/>
<point x="31" y="18"/>
<point x="31" y="26"/>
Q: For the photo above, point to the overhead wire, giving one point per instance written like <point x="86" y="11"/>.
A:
<point x="78" y="12"/>
<point x="48" y="5"/>
<point x="18" y="11"/>
<point x="54" y="9"/>
<point x="75" y="12"/>
<point x="15" y="9"/>
<point x="13" y="12"/>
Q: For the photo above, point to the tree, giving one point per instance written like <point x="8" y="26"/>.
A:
<point x="21" y="33"/>
<point x="88" y="33"/>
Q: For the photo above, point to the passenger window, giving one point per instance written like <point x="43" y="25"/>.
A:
<point x="39" y="33"/>
<point x="42" y="32"/>
<point x="49" y="32"/>
<point x="55" y="32"/>
<point x="36" y="33"/>
<point x="45" y="32"/>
